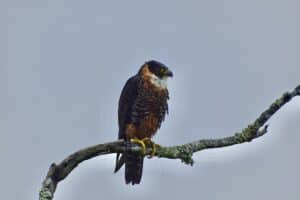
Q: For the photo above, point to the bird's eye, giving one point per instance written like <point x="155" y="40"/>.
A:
<point x="162" y="70"/>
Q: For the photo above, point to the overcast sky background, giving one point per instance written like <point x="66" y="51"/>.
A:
<point x="63" y="64"/>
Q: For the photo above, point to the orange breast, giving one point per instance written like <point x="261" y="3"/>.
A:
<point x="147" y="128"/>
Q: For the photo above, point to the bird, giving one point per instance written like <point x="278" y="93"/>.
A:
<point x="143" y="104"/>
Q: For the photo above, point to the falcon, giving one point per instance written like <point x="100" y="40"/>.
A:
<point x="142" y="108"/>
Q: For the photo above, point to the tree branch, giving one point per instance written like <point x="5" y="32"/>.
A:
<point x="183" y="152"/>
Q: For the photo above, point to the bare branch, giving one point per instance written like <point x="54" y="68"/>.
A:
<point x="183" y="152"/>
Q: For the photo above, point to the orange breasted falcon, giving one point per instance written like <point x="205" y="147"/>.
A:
<point x="142" y="108"/>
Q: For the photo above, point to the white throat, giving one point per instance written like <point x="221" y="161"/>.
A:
<point x="159" y="82"/>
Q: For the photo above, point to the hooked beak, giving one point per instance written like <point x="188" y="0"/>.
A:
<point x="169" y="73"/>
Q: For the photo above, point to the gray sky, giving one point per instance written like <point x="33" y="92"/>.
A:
<point x="63" y="65"/>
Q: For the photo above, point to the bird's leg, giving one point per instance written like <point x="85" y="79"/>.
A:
<point x="154" y="146"/>
<point x="141" y="143"/>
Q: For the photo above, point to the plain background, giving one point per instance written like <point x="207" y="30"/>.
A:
<point x="63" y="64"/>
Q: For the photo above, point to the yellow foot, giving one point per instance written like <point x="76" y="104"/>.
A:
<point x="141" y="143"/>
<point x="154" y="146"/>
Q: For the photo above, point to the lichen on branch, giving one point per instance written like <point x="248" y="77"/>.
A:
<point x="258" y="128"/>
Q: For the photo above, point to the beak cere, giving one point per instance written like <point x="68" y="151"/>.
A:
<point x="169" y="73"/>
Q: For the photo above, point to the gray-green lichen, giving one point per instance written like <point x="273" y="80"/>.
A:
<point x="184" y="152"/>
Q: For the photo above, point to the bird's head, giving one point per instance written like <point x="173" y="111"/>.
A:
<point x="156" y="72"/>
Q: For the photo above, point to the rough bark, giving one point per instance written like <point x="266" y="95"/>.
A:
<point x="59" y="172"/>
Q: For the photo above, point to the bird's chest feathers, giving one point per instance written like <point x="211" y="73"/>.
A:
<point x="154" y="91"/>
<point x="150" y="108"/>
<point x="148" y="126"/>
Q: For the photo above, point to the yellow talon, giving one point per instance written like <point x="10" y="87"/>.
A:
<point x="154" y="146"/>
<point x="144" y="143"/>
<point x="153" y="150"/>
<point x="147" y="141"/>
<point x="140" y="142"/>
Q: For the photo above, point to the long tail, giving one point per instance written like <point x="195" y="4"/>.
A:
<point x="133" y="167"/>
